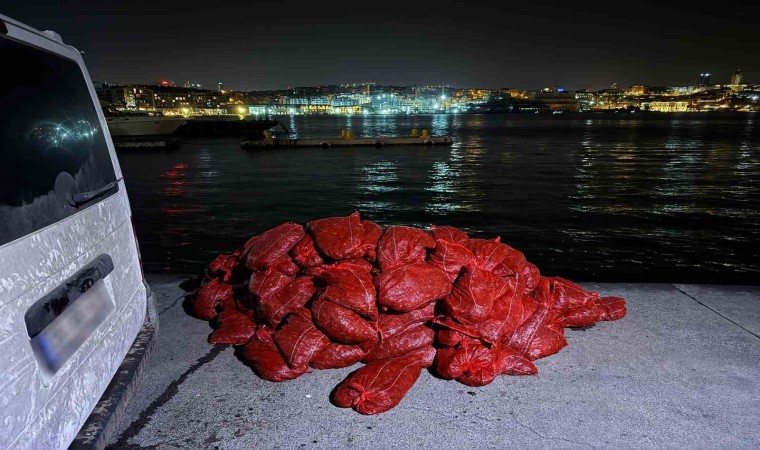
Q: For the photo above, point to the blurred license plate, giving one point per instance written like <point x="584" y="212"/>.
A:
<point x="55" y="344"/>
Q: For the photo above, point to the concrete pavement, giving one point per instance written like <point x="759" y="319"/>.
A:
<point x="681" y="370"/>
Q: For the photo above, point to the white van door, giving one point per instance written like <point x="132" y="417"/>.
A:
<point x="71" y="293"/>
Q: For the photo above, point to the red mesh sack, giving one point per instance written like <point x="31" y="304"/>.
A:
<point x="496" y="257"/>
<point x="338" y="237"/>
<point x="284" y="300"/>
<point x="513" y="363"/>
<point x="612" y="308"/>
<point x="337" y="356"/>
<point x="414" y="338"/>
<point x="530" y="306"/>
<point x="266" y="360"/>
<point x="241" y="304"/>
<point x="340" y="324"/>
<point x="378" y="386"/>
<point x="349" y="284"/>
<point x="409" y="287"/>
<point x="478" y="365"/>
<point x="285" y="265"/>
<point x="265" y="283"/>
<point x="299" y="339"/>
<point x="445" y="337"/>
<point x="450" y="258"/>
<point x="473" y="295"/>
<point x="532" y="276"/>
<point x="506" y="314"/>
<point x="581" y="316"/>
<point x="539" y="336"/>
<point x="473" y="365"/>
<point x="234" y="328"/>
<point x="223" y="265"/>
<point x="449" y="234"/>
<point x="392" y="324"/>
<point x="228" y="303"/>
<point x="273" y="245"/>
<point x="564" y="294"/>
<point x="248" y="245"/>
<point x="403" y="245"/>
<point x="456" y="331"/>
<point x="209" y="297"/>
<point x="425" y="355"/>
<point x="305" y="254"/>
<point x="372" y="234"/>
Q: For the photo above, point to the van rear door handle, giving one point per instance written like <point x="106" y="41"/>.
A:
<point x="48" y="308"/>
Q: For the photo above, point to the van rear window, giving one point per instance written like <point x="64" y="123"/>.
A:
<point x="51" y="142"/>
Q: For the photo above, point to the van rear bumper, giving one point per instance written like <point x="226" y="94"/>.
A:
<point x="99" y="426"/>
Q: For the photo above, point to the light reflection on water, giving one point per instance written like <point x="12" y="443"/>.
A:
<point x="380" y="177"/>
<point x="593" y="197"/>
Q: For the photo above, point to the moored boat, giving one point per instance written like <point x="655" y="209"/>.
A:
<point x="121" y="126"/>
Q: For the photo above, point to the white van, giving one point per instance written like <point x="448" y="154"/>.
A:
<point x="76" y="316"/>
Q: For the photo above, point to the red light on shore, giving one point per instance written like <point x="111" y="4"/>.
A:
<point x="165" y="83"/>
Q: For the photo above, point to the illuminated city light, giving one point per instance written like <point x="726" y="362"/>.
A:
<point x="355" y="98"/>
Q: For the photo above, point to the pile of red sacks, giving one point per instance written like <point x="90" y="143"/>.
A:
<point x="344" y="290"/>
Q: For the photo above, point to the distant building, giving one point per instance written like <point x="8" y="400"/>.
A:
<point x="585" y="100"/>
<point x="386" y="103"/>
<point x="704" y="79"/>
<point x="259" y="110"/>
<point x="669" y="106"/>
<point x="609" y="99"/>
<point x="511" y="92"/>
<point x="127" y="97"/>
<point x="637" y="91"/>
<point x="207" y="99"/>
<point x="171" y="99"/>
<point x="736" y="78"/>
<point x="682" y="90"/>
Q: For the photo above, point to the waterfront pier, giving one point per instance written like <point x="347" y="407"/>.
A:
<point x="633" y="383"/>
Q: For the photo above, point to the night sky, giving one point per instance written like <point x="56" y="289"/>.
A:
<point x="258" y="45"/>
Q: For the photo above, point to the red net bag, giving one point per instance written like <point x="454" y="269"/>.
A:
<point x="409" y="287"/>
<point x="338" y="237"/>
<point x="378" y="386"/>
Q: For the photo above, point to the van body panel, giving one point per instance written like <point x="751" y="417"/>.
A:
<point x="26" y="392"/>
<point x="46" y="252"/>
<point x="58" y="421"/>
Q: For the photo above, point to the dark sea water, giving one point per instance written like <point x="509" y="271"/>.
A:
<point x="592" y="197"/>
